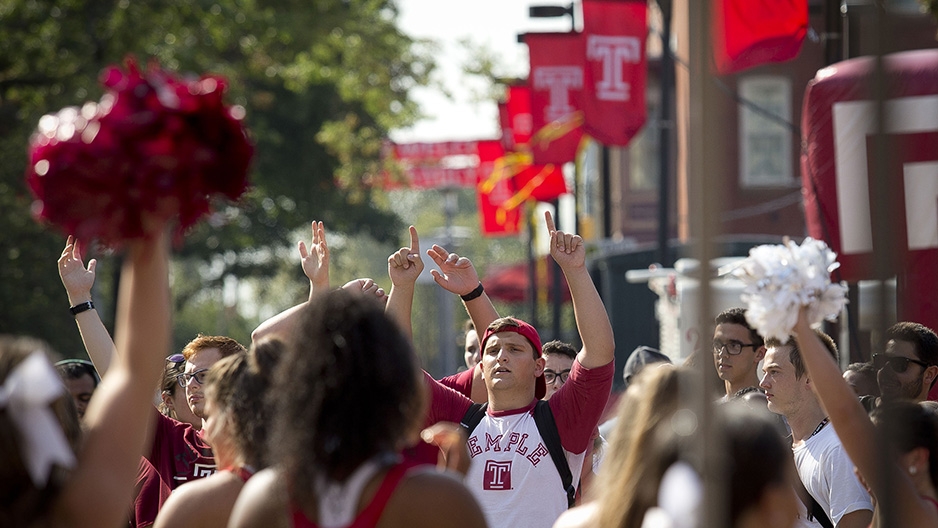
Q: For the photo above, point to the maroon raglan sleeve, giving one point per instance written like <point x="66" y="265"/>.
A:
<point x="460" y="382"/>
<point x="578" y="405"/>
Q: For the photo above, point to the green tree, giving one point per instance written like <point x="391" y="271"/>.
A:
<point x="322" y="82"/>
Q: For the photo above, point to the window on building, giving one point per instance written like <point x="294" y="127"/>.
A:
<point x="765" y="143"/>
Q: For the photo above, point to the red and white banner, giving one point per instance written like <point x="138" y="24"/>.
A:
<point x="614" y="81"/>
<point x="432" y="151"/>
<point x="556" y="81"/>
<point x="747" y="33"/>
<point x="838" y="128"/>
<point x="438" y="165"/>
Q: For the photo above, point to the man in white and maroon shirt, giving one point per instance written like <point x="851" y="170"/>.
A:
<point x="512" y="474"/>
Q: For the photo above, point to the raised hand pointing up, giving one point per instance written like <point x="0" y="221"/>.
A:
<point x="566" y="249"/>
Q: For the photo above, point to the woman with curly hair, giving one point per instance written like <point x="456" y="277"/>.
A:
<point x="349" y="396"/>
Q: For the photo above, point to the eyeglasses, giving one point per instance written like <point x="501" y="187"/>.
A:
<point x="186" y="377"/>
<point x="732" y="347"/>
<point x="897" y="364"/>
<point x="550" y="376"/>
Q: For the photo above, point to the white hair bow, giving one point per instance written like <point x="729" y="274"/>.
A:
<point x="26" y="395"/>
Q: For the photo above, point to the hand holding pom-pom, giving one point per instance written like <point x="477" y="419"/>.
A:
<point x="780" y="279"/>
<point x="155" y="147"/>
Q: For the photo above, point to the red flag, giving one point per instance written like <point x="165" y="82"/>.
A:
<point x="748" y="33"/>
<point x="540" y="182"/>
<point x="494" y="218"/>
<point x="556" y="82"/>
<point x="614" y="81"/>
<point x="519" y="113"/>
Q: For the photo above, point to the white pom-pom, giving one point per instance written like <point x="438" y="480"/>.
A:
<point x="780" y="279"/>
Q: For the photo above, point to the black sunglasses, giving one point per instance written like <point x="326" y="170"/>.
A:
<point x="898" y="364"/>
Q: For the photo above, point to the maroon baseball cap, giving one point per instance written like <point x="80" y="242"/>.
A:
<point x="529" y="332"/>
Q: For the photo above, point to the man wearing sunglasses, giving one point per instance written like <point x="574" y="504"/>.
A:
<point x="909" y="366"/>
<point x="737" y="351"/>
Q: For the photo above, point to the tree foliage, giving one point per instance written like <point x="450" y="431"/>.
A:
<point x="322" y="81"/>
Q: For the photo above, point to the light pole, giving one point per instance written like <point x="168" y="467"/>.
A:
<point x="553" y="11"/>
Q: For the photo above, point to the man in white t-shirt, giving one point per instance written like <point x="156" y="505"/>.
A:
<point x="511" y="473"/>
<point x="823" y="466"/>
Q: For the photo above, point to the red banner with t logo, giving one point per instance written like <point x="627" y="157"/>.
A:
<point x="556" y="82"/>
<point x="614" y="82"/>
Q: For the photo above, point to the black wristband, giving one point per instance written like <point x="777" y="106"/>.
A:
<point x="473" y="294"/>
<point x="81" y="307"/>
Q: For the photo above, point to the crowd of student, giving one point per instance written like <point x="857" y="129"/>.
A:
<point x="328" y="420"/>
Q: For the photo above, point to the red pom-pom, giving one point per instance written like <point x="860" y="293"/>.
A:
<point x="155" y="147"/>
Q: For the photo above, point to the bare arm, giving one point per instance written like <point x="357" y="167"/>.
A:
<point x="856" y="519"/>
<point x="101" y="488"/>
<point x="592" y="321"/>
<point x="404" y="266"/>
<point x="458" y="275"/>
<point x="262" y="503"/>
<point x="856" y="431"/>
<point x="431" y="498"/>
<point x="314" y="259"/>
<point x="78" y="281"/>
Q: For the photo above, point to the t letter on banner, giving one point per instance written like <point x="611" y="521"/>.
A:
<point x="556" y="82"/>
<point x="614" y="84"/>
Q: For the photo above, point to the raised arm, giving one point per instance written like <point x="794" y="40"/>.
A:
<point x="853" y="426"/>
<point x="101" y="488"/>
<point x="78" y="281"/>
<point x="314" y="259"/>
<point x="404" y="266"/>
<point x="592" y="321"/>
<point x="458" y="275"/>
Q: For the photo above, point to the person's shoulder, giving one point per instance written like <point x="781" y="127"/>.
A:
<point x="207" y="489"/>
<point x="199" y="502"/>
<point x="263" y="502"/>
<point x="429" y="497"/>
<point x="579" y="517"/>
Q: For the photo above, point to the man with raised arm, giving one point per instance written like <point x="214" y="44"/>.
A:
<point x="512" y="474"/>
<point x="314" y="259"/>
<point x="178" y="451"/>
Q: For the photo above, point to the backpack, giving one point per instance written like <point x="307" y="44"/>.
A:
<point x="547" y="427"/>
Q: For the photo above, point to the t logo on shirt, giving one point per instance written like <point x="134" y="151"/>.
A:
<point x="497" y="475"/>
<point x="202" y="470"/>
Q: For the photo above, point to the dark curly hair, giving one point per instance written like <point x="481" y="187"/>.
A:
<point x="238" y="385"/>
<point x="348" y="388"/>
<point x="21" y="502"/>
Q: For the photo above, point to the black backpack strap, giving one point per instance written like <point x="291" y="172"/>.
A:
<point x="547" y="427"/>
<point x="473" y="416"/>
<point x="817" y="511"/>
